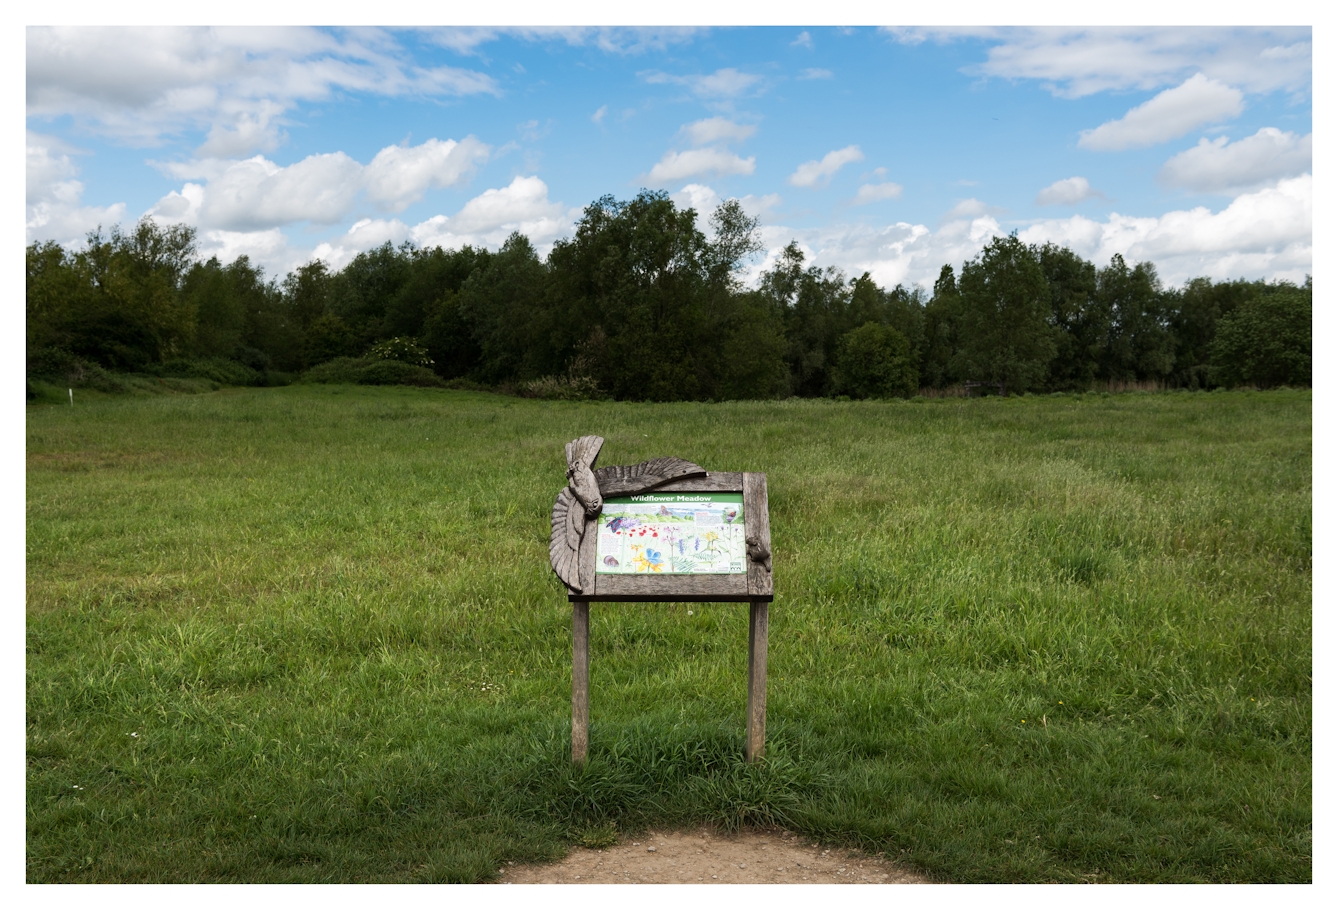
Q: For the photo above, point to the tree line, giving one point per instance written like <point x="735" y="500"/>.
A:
<point x="640" y="303"/>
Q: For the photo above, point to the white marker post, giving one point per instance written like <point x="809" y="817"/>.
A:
<point x="71" y="391"/>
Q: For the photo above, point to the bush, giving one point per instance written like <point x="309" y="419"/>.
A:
<point x="363" y="371"/>
<point x="405" y="350"/>
<point x="221" y="371"/>
<point x="1265" y="341"/>
<point x="874" y="361"/>
<point x="561" y="388"/>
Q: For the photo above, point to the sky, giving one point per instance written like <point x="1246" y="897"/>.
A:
<point x="886" y="150"/>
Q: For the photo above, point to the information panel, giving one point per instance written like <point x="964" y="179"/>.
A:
<point x="672" y="534"/>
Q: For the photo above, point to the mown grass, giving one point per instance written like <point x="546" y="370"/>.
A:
<point x="310" y="634"/>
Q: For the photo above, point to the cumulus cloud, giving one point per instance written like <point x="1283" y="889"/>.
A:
<point x="971" y="208"/>
<point x="140" y="84"/>
<point x="706" y="200"/>
<point x="598" y="116"/>
<point x="1069" y="191"/>
<point x="675" y="166"/>
<point x="813" y="72"/>
<point x="1076" y="62"/>
<point x="1265" y="234"/>
<point x="399" y="175"/>
<point x="717" y="129"/>
<point x="876" y="192"/>
<point x="54" y="196"/>
<point x="256" y="194"/>
<point x="724" y="84"/>
<point x="1221" y="166"/>
<point x="1196" y="102"/>
<point x="486" y="220"/>
<point x="804" y="40"/>
<point x="819" y="173"/>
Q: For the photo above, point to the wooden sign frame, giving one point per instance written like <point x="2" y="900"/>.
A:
<point x="574" y="561"/>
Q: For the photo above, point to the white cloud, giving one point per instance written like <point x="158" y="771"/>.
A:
<point x="54" y="209"/>
<point x="717" y="129"/>
<point x="486" y="220"/>
<point x="1266" y="234"/>
<point x="818" y="173"/>
<point x="723" y="84"/>
<point x="971" y="208"/>
<point x="598" y="116"/>
<point x="1069" y="191"/>
<point x="697" y="196"/>
<point x="1196" y="102"/>
<point x="675" y="166"/>
<point x="804" y="40"/>
<point x="1220" y="166"/>
<point x="876" y="192"/>
<point x="813" y="72"/>
<point x="399" y="175"/>
<point x="1075" y="62"/>
<point x="617" y="40"/>
<point x="256" y="194"/>
<point x="139" y="84"/>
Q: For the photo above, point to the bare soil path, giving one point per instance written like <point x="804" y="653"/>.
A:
<point x="710" y="857"/>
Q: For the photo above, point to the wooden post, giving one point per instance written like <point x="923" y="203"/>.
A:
<point x="580" y="680"/>
<point x="757" y="681"/>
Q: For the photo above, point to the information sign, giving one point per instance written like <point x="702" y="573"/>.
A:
<point x="672" y="534"/>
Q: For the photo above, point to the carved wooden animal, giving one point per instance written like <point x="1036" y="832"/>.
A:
<point x="582" y="499"/>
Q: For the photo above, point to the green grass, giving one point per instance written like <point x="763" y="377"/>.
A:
<point x="310" y="634"/>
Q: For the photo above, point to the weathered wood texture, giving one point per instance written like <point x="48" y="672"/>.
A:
<point x="756" y="736"/>
<point x="756" y="584"/>
<point x="631" y="588"/>
<point x="627" y="479"/>
<point x="758" y="528"/>
<point x="580" y="680"/>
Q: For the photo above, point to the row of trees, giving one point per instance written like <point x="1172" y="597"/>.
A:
<point x="640" y="304"/>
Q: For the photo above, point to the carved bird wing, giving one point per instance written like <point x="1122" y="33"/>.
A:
<point x="627" y="479"/>
<point x="564" y="546"/>
<point x="581" y="455"/>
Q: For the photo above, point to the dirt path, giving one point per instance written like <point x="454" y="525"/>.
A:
<point x="709" y="857"/>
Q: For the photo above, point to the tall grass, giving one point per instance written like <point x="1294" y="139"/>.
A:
<point x="310" y="634"/>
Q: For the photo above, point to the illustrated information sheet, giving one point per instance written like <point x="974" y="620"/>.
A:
<point x="672" y="533"/>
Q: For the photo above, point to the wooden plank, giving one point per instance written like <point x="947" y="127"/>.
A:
<point x="756" y="737"/>
<point x="714" y="482"/>
<point x="580" y="680"/>
<point x="756" y="522"/>
<point x="588" y="554"/>
<point x="633" y="588"/>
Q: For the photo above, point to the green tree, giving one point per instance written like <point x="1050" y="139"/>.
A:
<point x="939" y="356"/>
<point x="1139" y="344"/>
<point x="1079" y="321"/>
<point x="876" y="361"/>
<point x="1005" y="336"/>
<point x="1265" y="341"/>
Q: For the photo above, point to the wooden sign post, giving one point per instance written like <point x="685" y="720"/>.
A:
<point x="709" y="540"/>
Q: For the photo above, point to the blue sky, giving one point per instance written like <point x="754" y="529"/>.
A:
<point x="891" y="151"/>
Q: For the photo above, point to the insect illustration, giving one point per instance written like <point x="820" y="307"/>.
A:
<point x="649" y="560"/>
<point x="610" y="561"/>
<point x="731" y="515"/>
<point x="622" y="523"/>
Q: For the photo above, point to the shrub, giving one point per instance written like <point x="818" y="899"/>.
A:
<point x="404" y="350"/>
<point x="874" y="361"/>
<point x="363" y="371"/>
<point x="1265" y="341"/>
<point x="561" y="388"/>
<point x="221" y="371"/>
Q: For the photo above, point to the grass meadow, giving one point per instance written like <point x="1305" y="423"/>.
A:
<point x="310" y="634"/>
